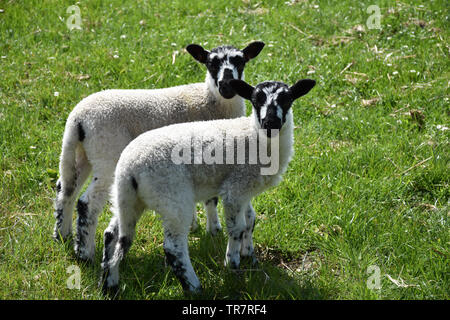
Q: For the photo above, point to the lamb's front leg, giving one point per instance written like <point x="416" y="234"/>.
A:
<point x="213" y="225"/>
<point x="247" y="249"/>
<point x="89" y="207"/>
<point x="212" y="220"/>
<point x="236" y="225"/>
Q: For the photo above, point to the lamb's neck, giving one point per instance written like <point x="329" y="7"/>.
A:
<point x="282" y="143"/>
<point x="286" y="142"/>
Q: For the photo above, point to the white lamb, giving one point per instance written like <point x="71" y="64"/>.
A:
<point x="102" y="124"/>
<point x="170" y="169"/>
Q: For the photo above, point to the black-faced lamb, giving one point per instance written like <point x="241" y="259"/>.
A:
<point x="170" y="169"/>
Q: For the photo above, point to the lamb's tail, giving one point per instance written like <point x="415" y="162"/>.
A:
<point x="74" y="134"/>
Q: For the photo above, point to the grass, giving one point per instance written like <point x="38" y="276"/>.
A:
<point x="368" y="186"/>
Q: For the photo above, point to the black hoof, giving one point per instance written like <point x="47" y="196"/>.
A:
<point x="108" y="291"/>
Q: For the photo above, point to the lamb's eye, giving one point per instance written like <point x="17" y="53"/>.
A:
<point x="237" y="61"/>
<point x="214" y="63"/>
<point x="283" y="99"/>
<point x="260" y="98"/>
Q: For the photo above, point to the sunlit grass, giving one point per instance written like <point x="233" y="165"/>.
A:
<point x="369" y="183"/>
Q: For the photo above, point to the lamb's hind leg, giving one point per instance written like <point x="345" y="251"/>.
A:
<point x="89" y="206"/>
<point x="176" y="229"/>
<point x="72" y="178"/>
<point x="212" y="220"/>
<point x="111" y="234"/>
<point x="118" y="238"/>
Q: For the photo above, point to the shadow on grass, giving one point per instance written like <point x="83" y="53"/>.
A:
<point x="144" y="275"/>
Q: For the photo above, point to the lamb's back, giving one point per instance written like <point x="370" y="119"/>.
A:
<point x="139" y="110"/>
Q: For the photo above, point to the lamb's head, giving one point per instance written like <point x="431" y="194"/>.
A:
<point x="225" y="63"/>
<point x="272" y="100"/>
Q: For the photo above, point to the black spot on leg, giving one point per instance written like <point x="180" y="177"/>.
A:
<point x="108" y="239"/>
<point x="238" y="237"/>
<point x="134" y="183"/>
<point x="81" y="133"/>
<point x="58" y="187"/>
<point x="68" y="191"/>
<point x="82" y="223"/>
<point x="178" y="268"/>
<point x="58" y="216"/>
<point x="125" y="244"/>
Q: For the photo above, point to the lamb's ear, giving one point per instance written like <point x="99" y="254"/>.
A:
<point x="253" y="49"/>
<point x="301" y="88"/>
<point x="198" y="52"/>
<point x="242" y="88"/>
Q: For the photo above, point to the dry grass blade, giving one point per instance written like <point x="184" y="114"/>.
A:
<point x="400" y="282"/>
<point x="369" y="102"/>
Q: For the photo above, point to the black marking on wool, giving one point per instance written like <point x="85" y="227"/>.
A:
<point x="134" y="183"/>
<point x="108" y="238"/>
<point x="58" y="187"/>
<point x="68" y="191"/>
<point x="125" y="244"/>
<point x="81" y="132"/>
<point x="236" y="237"/>
<point x="58" y="217"/>
<point x="58" y="214"/>
<point x="82" y="223"/>
<point x="178" y="268"/>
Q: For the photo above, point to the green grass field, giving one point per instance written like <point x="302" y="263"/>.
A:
<point x="366" y="196"/>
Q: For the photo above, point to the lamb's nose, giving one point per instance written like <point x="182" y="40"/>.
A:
<point x="224" y="86"/>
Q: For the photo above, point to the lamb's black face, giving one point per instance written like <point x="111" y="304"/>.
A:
<point x="225" y="63"/>
<point x="272" y="101"/>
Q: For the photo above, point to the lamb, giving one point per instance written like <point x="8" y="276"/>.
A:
<point x="170" y="169"/>
<point x="102" y="124"/>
